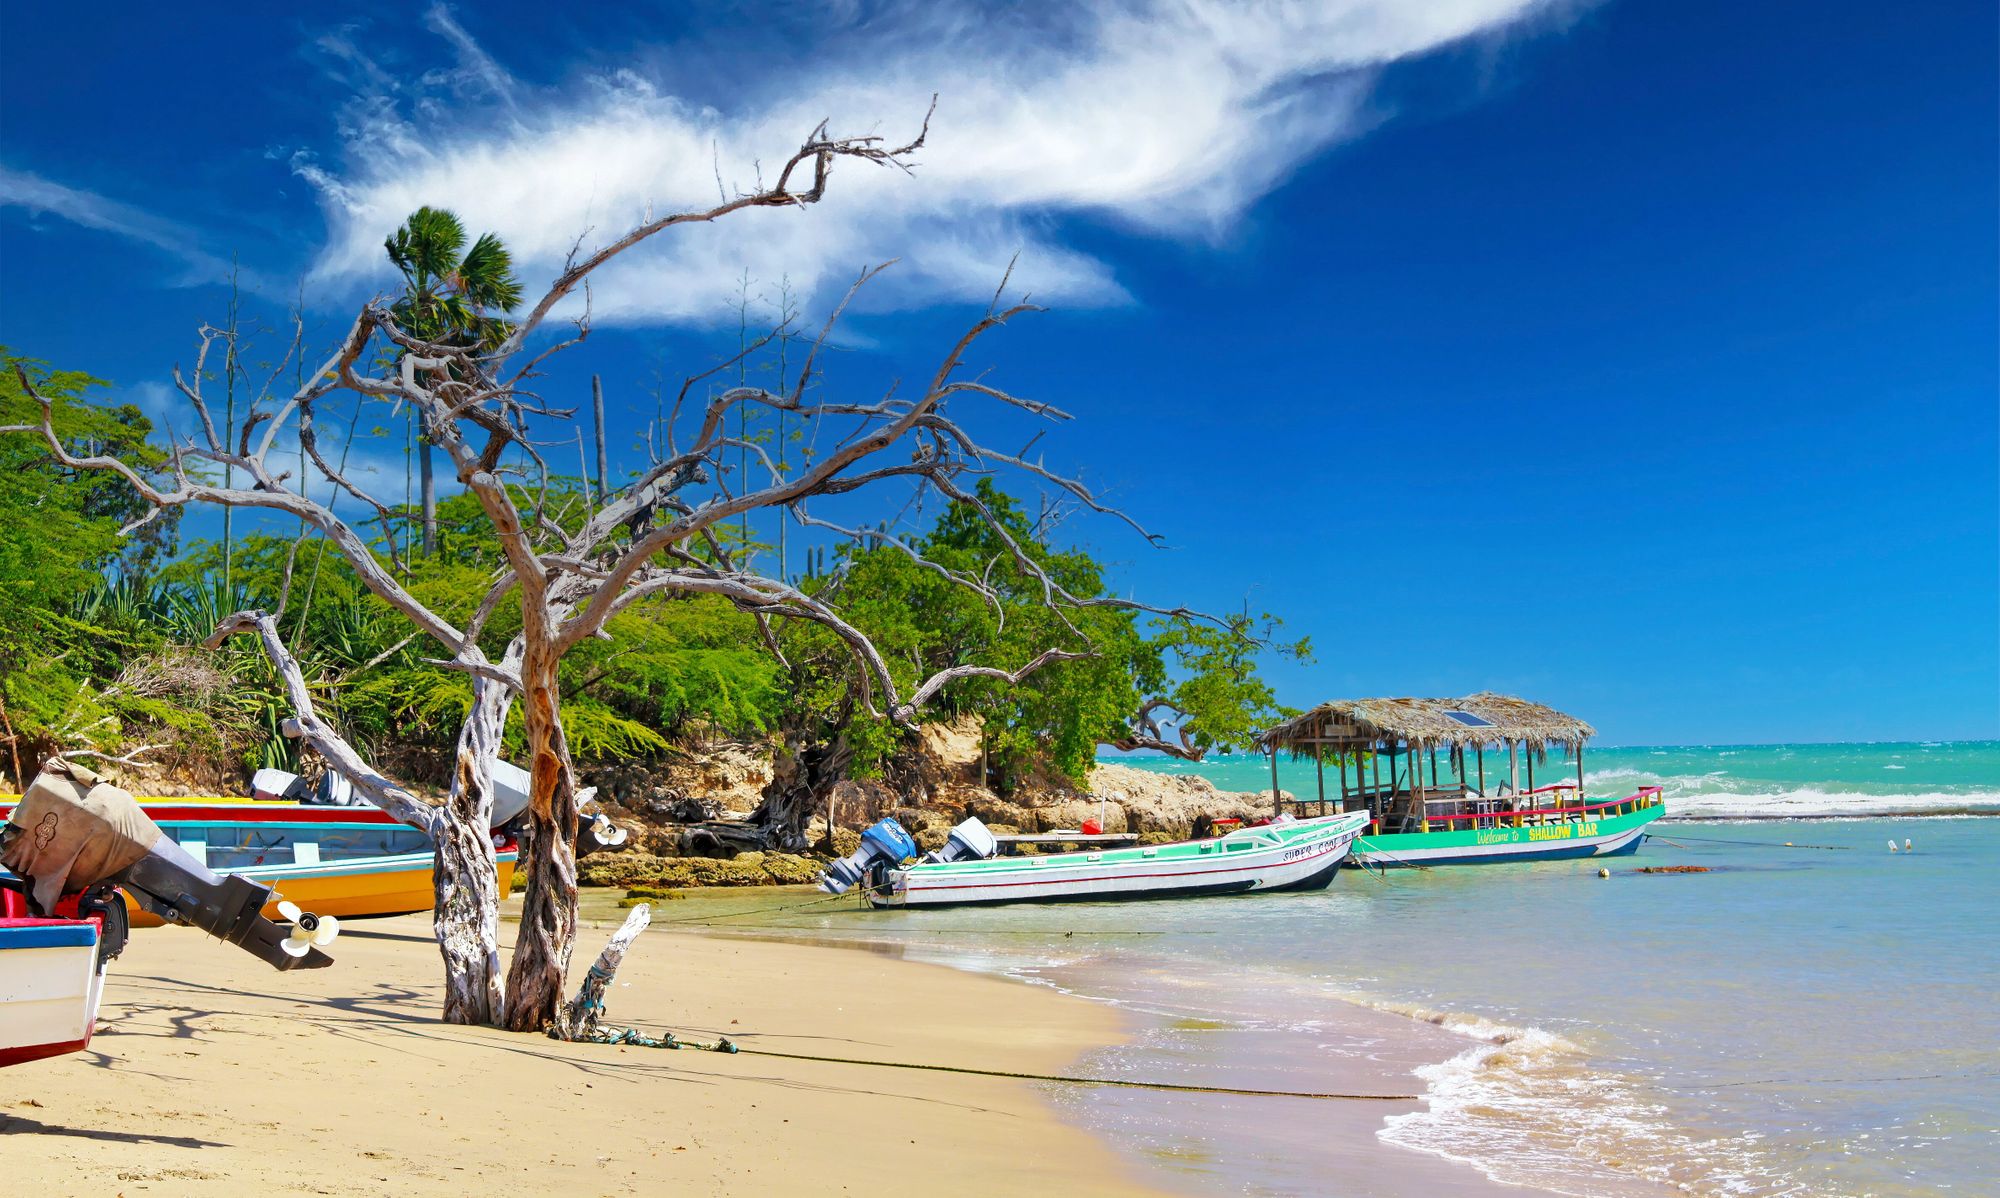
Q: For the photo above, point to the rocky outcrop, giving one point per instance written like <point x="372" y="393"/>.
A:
<point x="1155" y="802"/>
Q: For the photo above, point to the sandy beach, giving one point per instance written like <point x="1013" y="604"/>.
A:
<point x="210" y="1074"/>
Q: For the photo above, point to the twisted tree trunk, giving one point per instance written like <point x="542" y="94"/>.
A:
<point x="796" y="795"/>
<point x="466" y="915"/>
<point x="548" y="908"/>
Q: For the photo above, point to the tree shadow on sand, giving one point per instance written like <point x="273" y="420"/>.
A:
<point x="20" y="1125"/>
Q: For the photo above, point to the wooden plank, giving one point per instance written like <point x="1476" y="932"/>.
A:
<point x="1069" y="838"/>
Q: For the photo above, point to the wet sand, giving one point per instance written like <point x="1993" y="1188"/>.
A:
<point x="1175" y="1030"/>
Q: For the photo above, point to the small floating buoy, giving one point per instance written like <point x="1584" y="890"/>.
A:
<point x="1788" y="844"/>
<point x="1892" y="846"/>
<point x="1908" y="847"/>
<point x="1603" y="873"/>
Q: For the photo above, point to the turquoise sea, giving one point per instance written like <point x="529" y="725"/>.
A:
<point x="1716" y="781"/>
<point x="1814" y="1016"/>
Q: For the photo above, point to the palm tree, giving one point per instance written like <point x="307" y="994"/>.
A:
<point x="448" y="295"/>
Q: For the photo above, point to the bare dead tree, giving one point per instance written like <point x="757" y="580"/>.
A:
<point x="572" y="570"/>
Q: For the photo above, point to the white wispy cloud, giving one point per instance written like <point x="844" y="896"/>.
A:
<point x="1166" y="117"/>
<point x="37" y="195"/>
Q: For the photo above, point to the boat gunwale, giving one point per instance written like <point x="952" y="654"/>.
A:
<point x="1308" y="832"/>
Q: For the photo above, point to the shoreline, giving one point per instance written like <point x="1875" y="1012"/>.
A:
<point x="210" y="1072"/>
<point x="1212" y="1143"/>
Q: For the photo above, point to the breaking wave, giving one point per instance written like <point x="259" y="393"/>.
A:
<point x="1528" y="1107"/>
<point x="1718" y="795"/>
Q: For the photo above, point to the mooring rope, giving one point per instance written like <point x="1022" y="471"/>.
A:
<point x="823" y="899"/>
<point x="1179" y="1087"/>
<point x="1373" y="851"/>
<point x="726" y="1045"/>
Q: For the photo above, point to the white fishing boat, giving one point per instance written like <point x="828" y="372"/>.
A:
<point x="50" y="980"/>
<point x="1285" y="854"/>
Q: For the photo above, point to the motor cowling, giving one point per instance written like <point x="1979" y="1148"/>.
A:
<point x="885" y="843"/>
<point x="969" y="841"/>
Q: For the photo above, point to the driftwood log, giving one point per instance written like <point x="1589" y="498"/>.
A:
<point x="579" y="1020"/>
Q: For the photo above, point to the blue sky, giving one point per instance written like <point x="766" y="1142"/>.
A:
<point x="1638" y="358"/>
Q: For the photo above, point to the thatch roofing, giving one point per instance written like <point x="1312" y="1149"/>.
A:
<point x="1364" y="723"/>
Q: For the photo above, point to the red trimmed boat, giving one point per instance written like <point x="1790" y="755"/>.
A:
<point x="71" y="851"/>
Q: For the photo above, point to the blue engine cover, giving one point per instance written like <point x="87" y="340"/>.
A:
<point x="890" y="840"/>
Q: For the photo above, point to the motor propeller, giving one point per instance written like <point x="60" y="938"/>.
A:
<point x="605" y="832"/>
<point x="308" y="932"/>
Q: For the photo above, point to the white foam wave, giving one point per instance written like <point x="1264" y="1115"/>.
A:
<point x="1717" y="795"/>
<point x="1525" y="1107"/>
<point x="1807" y="801"/>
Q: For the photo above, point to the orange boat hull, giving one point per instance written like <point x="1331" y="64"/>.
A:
<point x="346" y="895"/>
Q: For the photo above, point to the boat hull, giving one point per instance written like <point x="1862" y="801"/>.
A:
<point x="397" y="885"/>
<point x="50" y="984"/>
<point x="1302" y="856"/>
<point x="1608" y="837"/>
<point x="289" y="847"/>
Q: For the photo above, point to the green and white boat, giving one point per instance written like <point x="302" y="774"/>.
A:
<point x="1455" y="818"/>
<point x="1287" y="854"/>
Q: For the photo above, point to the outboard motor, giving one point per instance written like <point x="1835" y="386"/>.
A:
<point x="332" y="790"/>
<point x="274" y="785"/>
<point x="883" y="845"/>
<point x="72" y="832"/>
<point x="511" y="790"/>
<point x="969" y="841"/>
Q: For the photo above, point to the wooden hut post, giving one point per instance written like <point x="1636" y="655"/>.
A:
<point x="1480" y="753"/>
<point x="1277" y="804"/>
<point x="1319" y="769"/>
<point x="1514" y="781"/>
<point x="1375" y="792"/>
<point x="1579" y="771"/>
<point x="1417" y="783"/>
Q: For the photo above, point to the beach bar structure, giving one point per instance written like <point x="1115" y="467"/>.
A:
<point x="1385" y="756"/>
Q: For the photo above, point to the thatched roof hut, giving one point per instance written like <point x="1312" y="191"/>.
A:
<point x="1380" y="725"/>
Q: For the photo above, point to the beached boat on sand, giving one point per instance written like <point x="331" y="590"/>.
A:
<point x="73" y="852"/>
<point x="1455" y="820"/>
<point x="51" y="976"/>
<point x="1286" y="854"/>
<point x="342" y="861"/>
<point x="317" y="846"/>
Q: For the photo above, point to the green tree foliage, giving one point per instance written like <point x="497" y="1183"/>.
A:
<point x="69" y="620"/>
<point x="1217" y="687"/>
<point x="450" y="293"/>
<point x="450" y="297"/>
<point x="924" y="621"/>
<point x="99" y="637"/>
